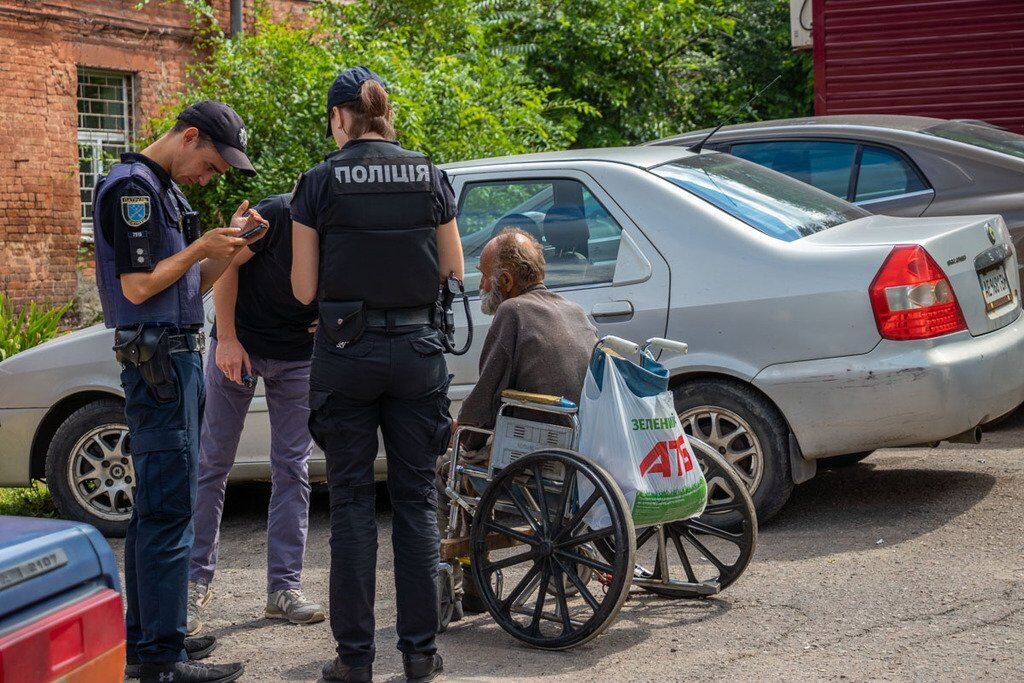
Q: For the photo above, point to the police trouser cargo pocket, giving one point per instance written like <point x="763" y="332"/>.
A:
<point x="163" y="468"/>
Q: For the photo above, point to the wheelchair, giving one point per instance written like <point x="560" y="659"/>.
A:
<point x="549" y="537"/>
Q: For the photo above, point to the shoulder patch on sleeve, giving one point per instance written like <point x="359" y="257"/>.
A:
<point x="135" y="209"/>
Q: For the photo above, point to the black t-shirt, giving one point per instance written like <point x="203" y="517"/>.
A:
<point x="269" y="321"/>
<point x="312" y="192"/>
<point x="127" y="219"/>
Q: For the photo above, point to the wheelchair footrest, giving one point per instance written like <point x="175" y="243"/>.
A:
<point x="704" y="588"/>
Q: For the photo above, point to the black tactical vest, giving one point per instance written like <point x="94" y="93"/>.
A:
<point x="378" y="234"/>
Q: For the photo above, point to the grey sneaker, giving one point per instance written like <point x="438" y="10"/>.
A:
<point x="199" y="595"/>
<point x="292" y="605"/>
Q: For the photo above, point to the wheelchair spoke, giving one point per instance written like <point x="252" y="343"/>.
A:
<point x="538" y="608"/>
<point x="511" y="533"/>
<point x="645" y="536"/>
<point x="542" y="499"/>
<point x="523" y="510"/>
<point x="585" y="561"/>
<point x="568" y="487"/>
<point x="703" y="528"/>
<point x="585" y="593"/>
<point x="586" y="538"/>
<point x="491" y="567"/>
<point x="703" y="550"/>
<point x="520" y="587"/>
<point x="719" y="508"/>
<point x="687" y="567"/>
<point x="580" y="514"/>
<point x="563" y="603"/>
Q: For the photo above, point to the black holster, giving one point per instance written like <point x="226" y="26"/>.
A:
<point x="148" y="349"/>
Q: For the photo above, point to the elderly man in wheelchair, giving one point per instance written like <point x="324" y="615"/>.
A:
<point x="539" y="343"/>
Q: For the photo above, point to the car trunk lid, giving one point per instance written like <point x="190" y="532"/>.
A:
<point x="974" y="252"/>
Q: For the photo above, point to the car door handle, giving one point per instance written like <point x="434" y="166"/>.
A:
<point x="612" y="309"/>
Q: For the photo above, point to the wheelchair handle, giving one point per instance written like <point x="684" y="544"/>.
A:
<point x="666" y="345"/>
<point x="623" y="347"/>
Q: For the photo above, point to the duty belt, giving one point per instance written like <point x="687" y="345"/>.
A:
<point x="186" y="341"/>
<point x="389" y="319"/>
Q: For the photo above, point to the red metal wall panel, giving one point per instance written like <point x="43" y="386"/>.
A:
<point x="947" y="58"/>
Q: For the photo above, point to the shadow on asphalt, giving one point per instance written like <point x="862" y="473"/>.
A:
<point x="854" y="508"/>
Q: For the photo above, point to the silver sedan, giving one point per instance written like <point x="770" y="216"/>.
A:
<point x="815" y="329"/>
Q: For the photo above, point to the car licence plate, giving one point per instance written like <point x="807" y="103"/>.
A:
<point x="995" y="287"/>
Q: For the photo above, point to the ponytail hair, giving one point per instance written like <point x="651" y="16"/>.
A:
<point x="372" y="112"/>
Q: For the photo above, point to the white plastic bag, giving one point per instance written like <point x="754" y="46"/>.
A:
<point x="629" y="426"/>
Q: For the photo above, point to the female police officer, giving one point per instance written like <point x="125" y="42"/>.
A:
<point x="374" y="235"/>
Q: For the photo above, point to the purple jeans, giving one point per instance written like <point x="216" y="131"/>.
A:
<point x="287" y="387"/>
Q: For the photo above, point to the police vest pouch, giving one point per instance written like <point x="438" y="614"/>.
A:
<point x="149" y="350"/>
<point x="342" y="322"/>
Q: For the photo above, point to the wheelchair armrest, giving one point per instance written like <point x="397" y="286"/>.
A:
<point x="543" y="399"/>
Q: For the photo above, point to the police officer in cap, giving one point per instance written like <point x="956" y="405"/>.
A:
<point x="374" y="236"/>
<point x="152" y="266"/>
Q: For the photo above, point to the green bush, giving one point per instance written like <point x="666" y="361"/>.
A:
<point x="454" y="99"/>
<point x="31" y="326"/>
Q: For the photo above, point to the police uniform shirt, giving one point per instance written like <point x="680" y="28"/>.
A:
<point x="313" y="192"/>
<point x="127" y="220"/>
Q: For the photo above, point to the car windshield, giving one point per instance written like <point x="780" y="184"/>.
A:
<point x="770" y="202"/>
<point x="995" y="139"/>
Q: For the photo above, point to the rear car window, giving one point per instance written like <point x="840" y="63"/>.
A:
<point x="769" y="202"/>
<point x="995" y="139"/>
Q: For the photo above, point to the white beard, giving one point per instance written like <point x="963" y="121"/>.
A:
<point x="490" y="300"/>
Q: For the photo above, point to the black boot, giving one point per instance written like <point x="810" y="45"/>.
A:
<point x="195" y="648"/>
<point x="336" y="670"/>
<point x="422" y="667"/>
<point x="190" y="672"/>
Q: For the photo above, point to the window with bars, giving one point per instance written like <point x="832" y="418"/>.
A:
<point x="105" y="130"/>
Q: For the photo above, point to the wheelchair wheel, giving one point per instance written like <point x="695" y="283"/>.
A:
<point x="699" y="557"/>
<point x="445" y="596"/>
<point x="529" y="528"/>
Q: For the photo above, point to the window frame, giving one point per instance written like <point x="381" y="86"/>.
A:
<point x="859" y="145"/>
<point x="463" y="180"/>
<point x="96" y="138"/>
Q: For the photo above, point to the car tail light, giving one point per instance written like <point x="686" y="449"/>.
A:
<point x="912" y="298"/>
<point x="79" y="643"/>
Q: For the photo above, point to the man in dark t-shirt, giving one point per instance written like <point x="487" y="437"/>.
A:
<point x="261" y="330"/>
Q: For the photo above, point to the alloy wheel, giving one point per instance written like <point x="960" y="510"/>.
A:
<point x="100" y="473"/>
<point x="733" y="438"/>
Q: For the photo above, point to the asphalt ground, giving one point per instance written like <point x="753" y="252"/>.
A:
<point x="909" y="566"/>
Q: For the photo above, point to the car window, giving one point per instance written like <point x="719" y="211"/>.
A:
<point x="580" y="238"/>
<point x="825" y="165"/>
<point x="995" y="139"/>
<point x="884" y="173"/>
<point x="769" y="202"/>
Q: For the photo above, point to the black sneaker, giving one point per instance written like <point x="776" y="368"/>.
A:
<point x="195" y="648"/>
<point x="336" y="670"/>
<point x="190" y="672"/>
<point x="422" y="667"/>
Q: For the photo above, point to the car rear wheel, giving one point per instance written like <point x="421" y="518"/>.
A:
<point x="89" y="467"/>
<point x="746" y="430"/>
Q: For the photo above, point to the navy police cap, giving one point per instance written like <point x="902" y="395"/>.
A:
<point x="346" y="88"/>
<point x="225" y="128"/>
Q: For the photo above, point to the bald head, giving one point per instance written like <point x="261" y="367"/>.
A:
<point x="510" y="263"/>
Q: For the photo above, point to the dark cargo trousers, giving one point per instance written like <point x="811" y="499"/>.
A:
<point x="397" y="382"/>
<point x="165" y="455"/>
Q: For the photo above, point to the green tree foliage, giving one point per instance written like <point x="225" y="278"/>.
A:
<point x="454" y="98"/>
<point x="474" y="78"/>
<point x="653" y="68"/>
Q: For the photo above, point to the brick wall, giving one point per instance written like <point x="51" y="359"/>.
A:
<point x="42" y="44"/>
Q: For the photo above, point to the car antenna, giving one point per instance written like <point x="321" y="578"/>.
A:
<point x="696" y="148"/>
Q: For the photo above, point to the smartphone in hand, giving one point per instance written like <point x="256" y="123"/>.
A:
<point x="252" y="232"/>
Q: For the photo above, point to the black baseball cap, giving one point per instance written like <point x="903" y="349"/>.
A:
<point x="225" y="128"/>
<point x="346" y="88"/>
